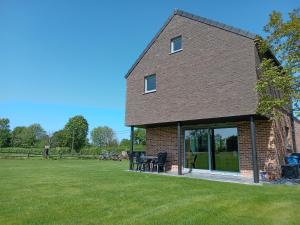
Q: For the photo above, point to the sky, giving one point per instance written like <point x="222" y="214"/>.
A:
<point x="61" y="58"/>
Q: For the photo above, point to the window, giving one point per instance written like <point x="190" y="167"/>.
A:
<point x="176" y="44"/>
<point x="150" y="83"/>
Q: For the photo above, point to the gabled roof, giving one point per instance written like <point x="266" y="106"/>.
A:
<point x="196" y="18"/>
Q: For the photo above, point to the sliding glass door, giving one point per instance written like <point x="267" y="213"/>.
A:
<point x="225" y="153"/>
<point x="212" y="149"/>
<point x="197" y="149"/>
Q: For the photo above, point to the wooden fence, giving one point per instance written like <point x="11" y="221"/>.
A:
<point x="51" y="156"/>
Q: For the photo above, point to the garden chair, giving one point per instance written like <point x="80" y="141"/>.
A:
<point x="139" y="160"/>
<point x="161" y="161"/>
<point x="193" y="164"/>
<point x="145" y="164"/>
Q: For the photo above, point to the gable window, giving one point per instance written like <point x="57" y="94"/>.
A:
<point x="150" y="83"/>
<point x="176" y="44"/>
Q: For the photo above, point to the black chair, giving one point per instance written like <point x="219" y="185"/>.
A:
<point x="193" y="164"/>
<point x="161" y="161"/>
<point x="139" y="160"/>
<point x="145" y="164"/>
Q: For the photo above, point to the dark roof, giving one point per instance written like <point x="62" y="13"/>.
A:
<point x="196" y="18"/>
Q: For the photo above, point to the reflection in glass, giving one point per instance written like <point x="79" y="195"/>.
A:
<point x="196" y="149"/>
<point x="223" y="149"/>
<point x="225" y="152"/>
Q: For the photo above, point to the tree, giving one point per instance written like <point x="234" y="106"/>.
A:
<point x="103" y="136"/>
<point x="38" y="132"/>
<point x="22" y="137"/>
<point x="4" y="132"/>
<point x="140" y="136"/>
<point x="59" y="139"/>
<point x="76" y="131"/>
<point x="279" y="83"/>
<point x="232" y="143"/>
<point x="125" y="142"/>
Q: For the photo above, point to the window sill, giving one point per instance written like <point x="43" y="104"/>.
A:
<point x="179" y="50"/>
<point x="148" y="92"/>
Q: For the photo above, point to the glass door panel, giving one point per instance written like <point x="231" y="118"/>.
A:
<point x="196" y="149"/>
<point x="225" y="153"/>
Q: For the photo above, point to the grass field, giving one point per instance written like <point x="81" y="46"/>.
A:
<point x="74" y="192"/>
<point x="225" y="161"/>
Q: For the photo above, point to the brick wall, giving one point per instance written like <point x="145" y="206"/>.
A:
<point x="214" y="66"/>
<point x="297" y="134"/>
<point x="164" y="139"/>
<point x="270" y="142"/>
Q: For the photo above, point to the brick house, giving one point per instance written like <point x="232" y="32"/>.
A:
<point x="193" y="89"/>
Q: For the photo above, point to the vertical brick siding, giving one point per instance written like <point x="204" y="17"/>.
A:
<point x="270" y="142"/>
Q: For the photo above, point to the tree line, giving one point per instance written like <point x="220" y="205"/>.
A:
<point x="74" y="135"/>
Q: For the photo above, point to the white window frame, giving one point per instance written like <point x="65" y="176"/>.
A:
<point x="172" y="45"/>
<point x="145" y="84"/>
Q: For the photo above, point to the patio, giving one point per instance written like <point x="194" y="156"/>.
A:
<point x="139" y="162"/>
<point x="207" y="175"/>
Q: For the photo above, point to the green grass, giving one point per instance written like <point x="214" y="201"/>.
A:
<point x="102" y="192"/>
<point x="225" y="161"/>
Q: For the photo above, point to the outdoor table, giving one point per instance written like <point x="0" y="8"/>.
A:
<point x="149" y="157"/>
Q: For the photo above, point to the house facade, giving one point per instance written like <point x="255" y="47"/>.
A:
<point x="193" y="90"/>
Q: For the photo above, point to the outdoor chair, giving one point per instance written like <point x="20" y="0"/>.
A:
<point x="145" y="164"/>
<point x="193" y="164"/>
<point x="139" y="160"/>
<point x="161" y="161"/>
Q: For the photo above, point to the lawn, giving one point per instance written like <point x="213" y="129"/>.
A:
<point x="74" y="192"/>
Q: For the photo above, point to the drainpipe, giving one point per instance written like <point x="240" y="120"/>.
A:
<point x="179" y="148"/>
<point x="254" y="154"/>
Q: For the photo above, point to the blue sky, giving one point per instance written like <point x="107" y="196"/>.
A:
<point x="60" y="58"/>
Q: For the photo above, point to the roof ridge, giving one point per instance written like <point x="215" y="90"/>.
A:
<point x="215" y="23"/>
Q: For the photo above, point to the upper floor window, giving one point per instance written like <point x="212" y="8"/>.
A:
<point x="150" y="83"/>
<point x="176" y="44"/>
